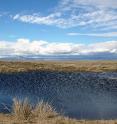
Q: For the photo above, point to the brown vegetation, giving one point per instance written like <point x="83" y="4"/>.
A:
<point x="93" y="66"/>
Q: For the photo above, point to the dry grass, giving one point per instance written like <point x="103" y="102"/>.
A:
<point x="42" y="113"/>
<point x="93" y="66"/>
<point x="24" y="112"/>
<point x="44" y="110"/>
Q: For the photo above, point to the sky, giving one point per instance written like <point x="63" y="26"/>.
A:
<point x="58" y="27"/>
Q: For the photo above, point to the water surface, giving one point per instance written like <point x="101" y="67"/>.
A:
<point x="85" y="95"/>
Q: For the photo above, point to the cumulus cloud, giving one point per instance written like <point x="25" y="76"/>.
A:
<point x="24" y="47"/>
<point x="99" y="14"/>
<point x="108" y="34"/>
<point x="108" y="47"/>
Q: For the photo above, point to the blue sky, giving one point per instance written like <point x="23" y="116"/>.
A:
<point x="75" y="26"/>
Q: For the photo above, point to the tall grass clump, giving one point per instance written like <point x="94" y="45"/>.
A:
<point x="43" y="110"/>
<point x="24" y="111"/>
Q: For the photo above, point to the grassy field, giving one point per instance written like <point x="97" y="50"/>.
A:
<point x="86" y="66"/>
<point x="42" y="113"/>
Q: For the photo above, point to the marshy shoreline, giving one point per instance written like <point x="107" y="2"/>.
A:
<point x="42" y="113"/>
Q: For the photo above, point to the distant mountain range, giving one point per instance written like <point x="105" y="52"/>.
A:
<point x="96" y="56"/>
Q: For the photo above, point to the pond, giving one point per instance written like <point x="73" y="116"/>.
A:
<point x="81" y="95"/>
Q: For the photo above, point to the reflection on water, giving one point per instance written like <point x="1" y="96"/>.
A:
<point x="5" y="103"/>
<point x="80" y="95"/>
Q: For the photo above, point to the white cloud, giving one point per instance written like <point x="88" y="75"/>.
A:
<point x="110" y="47"/>
<point x="102" y="3"/>
<point x="68" y="4"/>
<point x="37" y="19"/>
<point x="99" y="14"/>
<point x="94" y="19"/>
<point x="108" y="34"/>
<point x="26" y="47"/>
